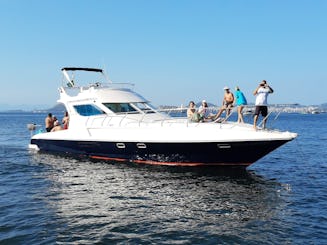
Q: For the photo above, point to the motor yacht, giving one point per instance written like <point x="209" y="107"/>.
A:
<point x="110" y="121"/>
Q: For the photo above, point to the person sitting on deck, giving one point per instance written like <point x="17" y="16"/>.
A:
<point x="56" y="127"/>
<point x="203" y="111"/>
<point x="192" y="114"/>
<point x="227" y="104"/>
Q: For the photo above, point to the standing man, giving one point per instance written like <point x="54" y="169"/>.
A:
<point x="262" y="92"/>
<point x="49" y="122"/>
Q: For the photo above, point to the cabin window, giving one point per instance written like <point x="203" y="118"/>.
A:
<point x="88" y="110"/>
<point x="120" y="107"/>
<point x="143" y="107"/>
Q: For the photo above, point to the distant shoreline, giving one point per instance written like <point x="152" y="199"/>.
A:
<point x="285" y="108"/>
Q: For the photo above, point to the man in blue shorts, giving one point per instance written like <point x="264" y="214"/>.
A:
<point x="262" y="92"/>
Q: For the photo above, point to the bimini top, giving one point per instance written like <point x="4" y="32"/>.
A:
<point x="81" y="69"/>
<point x="68" y="73"/>
<point x="105" y="91"/>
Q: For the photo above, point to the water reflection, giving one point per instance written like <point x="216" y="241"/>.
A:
<point x="119" y="202"/>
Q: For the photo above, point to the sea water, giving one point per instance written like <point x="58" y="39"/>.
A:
<point x="47" y="199"/>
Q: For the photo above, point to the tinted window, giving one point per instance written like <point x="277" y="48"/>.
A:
<point x="88" y="110"/>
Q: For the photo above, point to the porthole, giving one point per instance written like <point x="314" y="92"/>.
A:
<point x="224" y="146"/>
<point x="120" y="145"/>
<point x="141" y="145"/>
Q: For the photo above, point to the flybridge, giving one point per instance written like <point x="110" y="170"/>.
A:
<point x="77" y="79"/>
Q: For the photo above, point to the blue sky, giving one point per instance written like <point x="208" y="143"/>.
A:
<point x="173" y="50"/>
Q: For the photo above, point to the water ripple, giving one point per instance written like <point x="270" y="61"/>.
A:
<point x="46" y="199"/>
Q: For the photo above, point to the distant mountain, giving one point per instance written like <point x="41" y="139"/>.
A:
<point x="208" y="103"/>
<point x="58" y="109"/>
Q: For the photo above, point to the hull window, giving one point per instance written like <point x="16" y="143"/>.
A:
<point x="121" y="145"/>
<point x="224" y="146"/>
<point x="141" y="145"/>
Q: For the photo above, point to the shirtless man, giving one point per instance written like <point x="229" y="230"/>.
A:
<point x="49" y="122"/>
<point x="228" y="102"/>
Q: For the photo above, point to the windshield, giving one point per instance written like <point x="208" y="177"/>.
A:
<point x="120" y="108"/>
<point x="130" y="108"/>
<point x="143" y="107"/>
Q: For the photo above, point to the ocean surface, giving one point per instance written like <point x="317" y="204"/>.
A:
<point x="281" y="199"/>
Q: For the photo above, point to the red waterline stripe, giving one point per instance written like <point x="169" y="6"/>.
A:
<point x="191" y="164"/>
<point x="109" y="158"/>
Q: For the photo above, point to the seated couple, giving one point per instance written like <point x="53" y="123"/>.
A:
<point x="200" y="115"/>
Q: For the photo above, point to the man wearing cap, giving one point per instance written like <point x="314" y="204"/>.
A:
<point x="261" y="93"/>
<point x="228" y="102"/>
